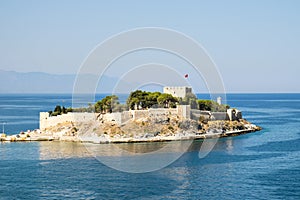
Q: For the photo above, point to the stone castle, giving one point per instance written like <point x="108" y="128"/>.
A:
<point x="177" y="91"/>
<point x="120" y="118"/>
<point x="182" y="111"/>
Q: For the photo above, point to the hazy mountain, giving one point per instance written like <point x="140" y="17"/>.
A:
<point x="38" y="82"/>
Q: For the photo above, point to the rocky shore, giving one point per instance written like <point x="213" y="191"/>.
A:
<point x="142" y="130"/>
<point x="28" y="136"/>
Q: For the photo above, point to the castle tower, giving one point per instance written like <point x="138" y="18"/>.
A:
<point x="177" y="91"/>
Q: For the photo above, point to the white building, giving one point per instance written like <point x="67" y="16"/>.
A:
<point x="219" y="100"/>
<point x="177" y="91"/>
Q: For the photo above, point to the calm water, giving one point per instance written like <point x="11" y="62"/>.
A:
<point x="261" y="165"/>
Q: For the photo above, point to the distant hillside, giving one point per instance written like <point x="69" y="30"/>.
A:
<point x="37" y="82"/>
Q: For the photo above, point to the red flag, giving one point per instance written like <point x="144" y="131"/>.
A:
<point x="186" y="76"/>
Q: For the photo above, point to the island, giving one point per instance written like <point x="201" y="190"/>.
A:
<point x="175" y="114"/>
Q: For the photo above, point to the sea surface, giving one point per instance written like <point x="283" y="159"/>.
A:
<point x="260" y="165"/>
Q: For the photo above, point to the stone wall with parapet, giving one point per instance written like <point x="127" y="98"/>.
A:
<point x="117" y="117"/>
<point x="219" y="116"/>
<point x="126" y="116"/>
<point x="138" y="114"/>
<point x="157" y="112"/>
<point x="152" y="112"/>
<point x="48" y="121"/>
<point x="231" y="114"/>
<point x="121" y="117"/>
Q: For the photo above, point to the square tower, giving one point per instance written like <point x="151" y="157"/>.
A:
<point x="177" y="91"/>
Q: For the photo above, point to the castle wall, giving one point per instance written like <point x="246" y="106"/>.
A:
<point x="47" y="121"/>
<point x="113" y="117"/>
<point x="219" y="116"/>
<point x="137" y="114"/>
<point x="126" y="116"/>
<point x="195" y="114"/>
<point x="162" y="111"/>
<point x="231" y="114"/>
<point x="183" y="111"/>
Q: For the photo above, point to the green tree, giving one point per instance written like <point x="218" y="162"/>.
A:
<point x="189" y="99"/>
<point x="57" y="111"/>
<point x="99" y="107"/>
<point x="90" y="108"/>
<point x="137" y="99"/>
<point x="151" y="99"/>
<point x="64" y="110"/>
<point x="167" y="100"/>
<point x="204" y="104"/>
<point x="107" y="103"/>
<point x="144" y="100"/>
<point x="120" y="108"/>
<point x="210" y="105"/>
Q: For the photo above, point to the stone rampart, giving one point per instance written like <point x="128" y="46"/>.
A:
<point x="183" y="111"/>
<point x="48" y="121"/>
<point x="231" y="114"/>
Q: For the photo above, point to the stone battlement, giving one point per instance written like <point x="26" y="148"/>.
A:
<point x="47" y="121"/>
<point x="177" y="91"/>
<point x="183" y="111"/>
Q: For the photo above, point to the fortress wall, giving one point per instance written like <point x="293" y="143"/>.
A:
<point x="219" y="116"/>
<point x="195" y="114"/>
<point x="184" y="111"/>
<point x="137" y="114"/>
<point x="126" y="116"/>
<point x="47" y="121"/>
<point x="229" y="115"/>
<point x="158" y="112"/>
<point x="81" y="117"/>
<point x="113" y="117"/>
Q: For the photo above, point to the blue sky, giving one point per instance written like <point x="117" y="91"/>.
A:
<point x="255" y="44"/>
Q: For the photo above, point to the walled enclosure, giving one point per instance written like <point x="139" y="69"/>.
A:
<point x="183" y="111"/>
<point x="231" y="114"/>
<point x="47" y="121"/>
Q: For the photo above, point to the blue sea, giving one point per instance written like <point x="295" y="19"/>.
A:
<point x="260" y="165"/>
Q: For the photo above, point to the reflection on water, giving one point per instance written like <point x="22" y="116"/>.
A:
<point x="58" y="150"/>
<point x="126" y="157"/>
<point x="141" y="147"/>
<point x="223" y="144"/>
<point x="229" y="145"/>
